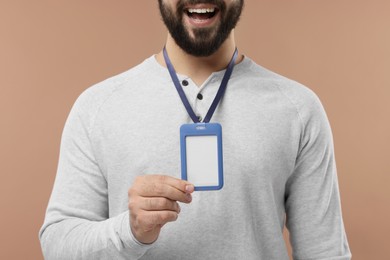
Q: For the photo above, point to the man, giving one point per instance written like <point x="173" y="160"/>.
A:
<point x="118" y="183"/>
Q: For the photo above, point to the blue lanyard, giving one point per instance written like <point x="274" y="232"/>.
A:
<point x="183" y="97"/>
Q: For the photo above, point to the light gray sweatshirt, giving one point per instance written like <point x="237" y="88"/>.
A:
<point x="279" y="169"/>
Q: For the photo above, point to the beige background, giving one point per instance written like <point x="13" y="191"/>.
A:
<point x="50" y="51"/>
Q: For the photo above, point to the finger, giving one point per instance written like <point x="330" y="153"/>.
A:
<point x="189" y="188"/>
<point x="179" y="184"/>
<point x="160" y="217"/>
<point x="165" y="186"/>
<point x="159" y="204"/>
<point x="157" y="189"/>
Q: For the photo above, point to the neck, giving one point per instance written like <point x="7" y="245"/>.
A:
<point x="199" y="68"/>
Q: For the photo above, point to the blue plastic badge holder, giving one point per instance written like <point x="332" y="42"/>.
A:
<point x="201" y="155"/>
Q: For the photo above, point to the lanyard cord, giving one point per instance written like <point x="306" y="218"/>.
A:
<point x="183" y="97"/>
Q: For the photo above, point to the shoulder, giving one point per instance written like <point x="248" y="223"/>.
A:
<point x="288" y="91"/>
<point x="104" y="89"/>
<point x="91" y="100"/>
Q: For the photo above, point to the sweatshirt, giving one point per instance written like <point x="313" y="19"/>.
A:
<point x="279" y="170"/>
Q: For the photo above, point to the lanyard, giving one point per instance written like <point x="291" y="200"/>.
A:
<point x="183" y="97"/>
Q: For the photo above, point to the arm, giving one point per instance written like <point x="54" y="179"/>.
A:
<point x="313" y="206"/>
<point x="77" y="223"/>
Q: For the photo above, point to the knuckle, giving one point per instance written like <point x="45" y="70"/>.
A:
<point x="135" y="186"/>
<point x="131" y="205"/>
<point x="151" y="203"/>
<point x="162" y="203"/>
<point x="161" y="217"/>
<point x="170" y="216"/>
<point x="138" y="178"/>
<point x="166" y="204"/>
<point x="165" y="216"/>
<point x="157" y="218"/>
<point x="157" y="189"/>
<point x="139" y="181"/>
<point x="142" y="217"/>
<point x="135" y="182"/>
<point x="142" y="220"/>
<point x="159" y="203"/>
<point x="162" y="178"/>
<point x="130" y="192"/>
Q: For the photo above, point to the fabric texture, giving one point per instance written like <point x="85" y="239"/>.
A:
<point x="279" y="169"/>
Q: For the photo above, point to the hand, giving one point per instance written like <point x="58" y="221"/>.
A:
<point x="153" y="202"/>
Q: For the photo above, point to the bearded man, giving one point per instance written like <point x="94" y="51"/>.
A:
<point x="120" y="192"/>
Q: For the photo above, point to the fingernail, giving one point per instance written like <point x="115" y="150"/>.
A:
<point x="189" y="197"/>
<point x="178" y="208"/>
<point x="189" y="188"/>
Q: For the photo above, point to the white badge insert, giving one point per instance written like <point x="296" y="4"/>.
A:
<point x="201" y="155"/>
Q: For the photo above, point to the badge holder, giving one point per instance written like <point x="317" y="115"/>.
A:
<point x="201" y="155"/>
<point x="201" y="143"/>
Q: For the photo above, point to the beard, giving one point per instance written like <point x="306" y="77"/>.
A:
<point x="205" y="41"/>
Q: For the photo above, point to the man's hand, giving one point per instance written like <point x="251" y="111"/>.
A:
<point x="153" y="201"/>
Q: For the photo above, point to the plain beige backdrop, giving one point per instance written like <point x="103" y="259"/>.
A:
<point x="51" y="50"/>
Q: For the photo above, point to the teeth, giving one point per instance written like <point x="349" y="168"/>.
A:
<point x="201" y="11"/>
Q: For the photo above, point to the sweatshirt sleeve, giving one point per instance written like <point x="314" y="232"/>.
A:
<point x="77" y="223"/>
<point x="313" y="205"/>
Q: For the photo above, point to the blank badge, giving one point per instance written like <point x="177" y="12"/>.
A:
<point x="201" y="155"/>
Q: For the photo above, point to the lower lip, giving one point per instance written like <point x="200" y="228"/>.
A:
<point x="201" y="23"/>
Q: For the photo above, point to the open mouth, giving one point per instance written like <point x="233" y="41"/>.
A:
<point x="201" y="14"/>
